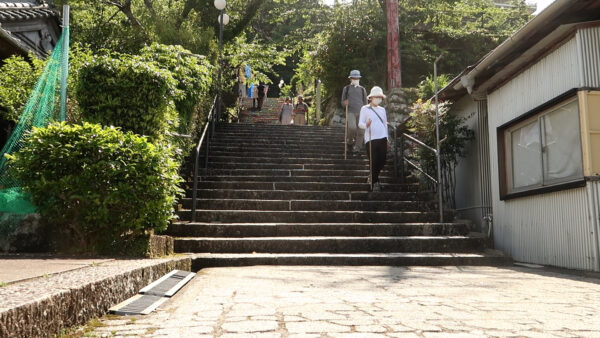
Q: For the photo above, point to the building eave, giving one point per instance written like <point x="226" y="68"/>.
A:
<point x="530" y="41"/>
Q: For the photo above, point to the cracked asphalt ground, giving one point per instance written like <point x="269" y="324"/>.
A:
<point x="306" y="301"/>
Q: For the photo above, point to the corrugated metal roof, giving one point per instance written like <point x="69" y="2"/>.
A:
<point x="560" y="13"/>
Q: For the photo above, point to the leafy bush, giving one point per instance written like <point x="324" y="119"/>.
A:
<point x="17" y="79"/>
<point x="127" y="92"/>
<point x="192" y="74"/>
<point x="455" y="136"/>
<point x="98" y="183"/>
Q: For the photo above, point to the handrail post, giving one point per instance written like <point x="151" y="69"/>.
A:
<point x="395" y="153"/>
<point x="195" y="189"/>
<point x="402" y="178"/>
<point x="437" y="137"/>
<point x="206" y="150"/>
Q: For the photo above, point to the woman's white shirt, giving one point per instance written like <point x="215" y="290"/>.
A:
<point x="378" y="128"/>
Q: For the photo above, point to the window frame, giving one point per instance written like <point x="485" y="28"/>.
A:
<point x="505" y="154"/>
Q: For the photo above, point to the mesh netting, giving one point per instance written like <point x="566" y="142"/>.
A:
<point x="42" y="108"/>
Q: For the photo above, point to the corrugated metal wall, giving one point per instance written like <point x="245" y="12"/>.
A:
<point x="593" y="190"/>
<point x="588" y="41"/>
<point x="554" y="228"/>
<point x="550" y="77"/>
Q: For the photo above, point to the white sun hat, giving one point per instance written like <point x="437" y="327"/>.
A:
<point x="376" y="92"/>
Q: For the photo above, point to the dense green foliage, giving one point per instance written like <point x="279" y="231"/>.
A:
<point x="464" y="30"/>
<point x="127" y="92"/>
<point x="125" y="26"/>
<point x="192" y="75"/>
<point x="455" y="136"/>
<point x="98" y="183"/>
<point x="17" y="79"/>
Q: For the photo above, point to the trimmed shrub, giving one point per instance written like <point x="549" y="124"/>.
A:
<point x="17" y="80"/>
<point x="192" y="75"/>
<point x="129" y="93"/>
<point x="95" y="184"/>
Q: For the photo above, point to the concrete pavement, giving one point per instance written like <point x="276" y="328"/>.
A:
<point x="15" y="267"/>
<point x="287" y="301"/>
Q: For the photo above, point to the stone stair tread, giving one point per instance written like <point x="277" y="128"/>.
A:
<point x="274" y="224"/>
<point x="312" y="211"/>
<point x="298" y="200"/>
<point x="364" y="194"/>
<point x="203" y="260"/>
<point x="370" y="254"/>
<point x="320" y="238"/>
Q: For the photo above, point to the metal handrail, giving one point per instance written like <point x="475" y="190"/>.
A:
<point x="209" y="121"/>
<point x="419" y="142"/>
<point x="419" y="169"/>
<point x="395" y="148"/>
<point x="437" y="155"/>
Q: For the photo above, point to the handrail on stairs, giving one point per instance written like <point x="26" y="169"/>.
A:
<point x="395" y="149"/>
<point x="422" y="144"/>
<point x="210" y="125"/>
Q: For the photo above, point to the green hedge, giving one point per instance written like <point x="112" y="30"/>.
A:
<point x="17" y="80"/>
<point x="127" y="92"/>
<point x="98" y="184"/>
<point x="191" y="73"/>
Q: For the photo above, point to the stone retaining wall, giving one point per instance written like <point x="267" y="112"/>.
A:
<point x="45" y="306"/>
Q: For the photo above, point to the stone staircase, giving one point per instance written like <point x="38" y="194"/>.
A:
<point x="285" y="195"/>
<point x="268" y="115"/>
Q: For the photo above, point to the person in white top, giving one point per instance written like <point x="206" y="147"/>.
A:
<point x="373" y="119"/>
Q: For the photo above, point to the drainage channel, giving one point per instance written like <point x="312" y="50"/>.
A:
<point x="153" y="295"/>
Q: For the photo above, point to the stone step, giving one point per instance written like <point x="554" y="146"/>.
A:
<point x="305" y="186"/>
<point x="301" y="154"/>
<point x="310" y="195"/>
<point x="309" y="166"/>
<point x="182" y="229"/>
<point x="277" y="158"/>
<point x="302" y="132"/>
<point x="330" y="244"/>
<point x="206" y="260"/>
<point x="316" y="179"/>
<point x="246" y="127"/>
<point x="249" y="152"/>
<point x="308" y="143"/>
<point x="295" y="172"/>
<point x="259" y="216"/>
<point x="304" y="205"/>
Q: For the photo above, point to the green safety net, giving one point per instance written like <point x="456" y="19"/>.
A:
<point x="47" y="103"/>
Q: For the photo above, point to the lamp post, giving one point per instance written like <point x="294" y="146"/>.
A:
<point x="223" y="20"/>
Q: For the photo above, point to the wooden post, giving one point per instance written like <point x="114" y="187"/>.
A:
<point x="393" y="46"/>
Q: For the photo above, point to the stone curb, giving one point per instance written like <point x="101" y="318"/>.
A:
<point x="45" y="306"/>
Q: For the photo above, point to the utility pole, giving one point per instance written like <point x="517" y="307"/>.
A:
<point x="393" y="46"/>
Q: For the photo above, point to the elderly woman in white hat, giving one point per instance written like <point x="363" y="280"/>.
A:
<point x="373" y="119"/>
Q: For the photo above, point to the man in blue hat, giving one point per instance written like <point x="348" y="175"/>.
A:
<point x="354" y="97"/>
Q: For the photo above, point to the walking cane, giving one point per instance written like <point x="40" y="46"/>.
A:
<point x="346" y="136"/>
<point x="370" y="160"/>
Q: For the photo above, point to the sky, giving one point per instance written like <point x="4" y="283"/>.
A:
<point x="541" y="4"/>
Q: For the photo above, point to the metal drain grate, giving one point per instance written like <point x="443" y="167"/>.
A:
<point x="169" y="284"/>
<point x="138" y="304"/>
<point x="153" y="295"/>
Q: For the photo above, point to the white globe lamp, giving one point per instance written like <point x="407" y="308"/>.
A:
<point x="225" y="19"/>
<point x="220" y="4"/>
